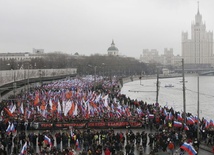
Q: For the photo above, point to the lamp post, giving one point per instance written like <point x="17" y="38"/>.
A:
<point x="198" y="108"/>
<point x="157" y="86"/>
<point x="14" y="78"/>
<point x="27" y="61"/>
<point x="28" y="78"/>
<point x="184" y="93"/>
<point x="95" y="77"/>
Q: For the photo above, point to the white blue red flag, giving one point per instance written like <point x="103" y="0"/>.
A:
<point x="177" y="124"/>
<point x="24" y="149"/>
<point x="188" y="148"/>
<point x="190" y="120"/>
<point x="48" y="140"/>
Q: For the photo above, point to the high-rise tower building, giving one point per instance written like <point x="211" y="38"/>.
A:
<point x="198" y="49"/>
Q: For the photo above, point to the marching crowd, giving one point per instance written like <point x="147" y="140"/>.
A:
<point x="66" y="100"/>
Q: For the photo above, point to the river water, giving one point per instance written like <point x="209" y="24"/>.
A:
<point x="173" y="96"/>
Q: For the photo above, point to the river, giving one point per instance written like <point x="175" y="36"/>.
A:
<point x="173" y="96"/>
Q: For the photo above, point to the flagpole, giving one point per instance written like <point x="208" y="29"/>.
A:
<point x="157" y="85"/>
<point x="184" y="97"/>
<point x="95" y="78"/>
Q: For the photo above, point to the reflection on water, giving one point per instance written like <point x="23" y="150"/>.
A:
<point x="173" y="96"/>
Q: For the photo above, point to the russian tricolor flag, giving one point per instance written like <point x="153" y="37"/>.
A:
<point x="12" y="128"/>
<point x="186" y="127"/>
<point x="179" y="117"/>
<point x="24" y="149"/>
<point x="151" y="116"/>
<point x="188" y="148"/>
<point x="165" y="113"/>
<point x="177" y="124"/>
<point x="196" y="119"/>
<point x="190" y="120"/>
<point x="207" y="124"/>
<point x="77" y="145"/>
<point x="48" y="140"/>
<point x="211" y="123"/>
<point x="171" y="116"/>
<point x="8" y="128"/>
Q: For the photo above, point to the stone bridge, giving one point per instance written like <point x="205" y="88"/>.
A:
<point x="13" y="79"/>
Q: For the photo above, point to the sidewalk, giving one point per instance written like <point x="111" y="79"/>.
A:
<point x="205" y="147"/>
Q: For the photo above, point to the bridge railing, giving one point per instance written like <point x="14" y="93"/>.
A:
<point x="10" y="76"/>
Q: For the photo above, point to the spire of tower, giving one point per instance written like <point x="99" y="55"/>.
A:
<point x="198" y="7"/>
<point x="112" y="42"/>
<point x="198" y="17"/>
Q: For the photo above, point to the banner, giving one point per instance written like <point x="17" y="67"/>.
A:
<point x="96" y="124"/>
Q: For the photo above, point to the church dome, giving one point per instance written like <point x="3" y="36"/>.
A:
<point x="112" y="48"/>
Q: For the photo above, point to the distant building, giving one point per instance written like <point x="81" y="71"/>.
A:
<point x="113" y="50"/>
<point x="150" y="56"/>
<point x="177" y="61"/>
<point x="168" y="58"/>
<point x="37" y="53"/>
<point x="199" y="48"/>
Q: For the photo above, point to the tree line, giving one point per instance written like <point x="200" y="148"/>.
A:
<point x="86" y="65"/>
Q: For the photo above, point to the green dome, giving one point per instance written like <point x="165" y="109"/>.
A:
<point x="112" y="48"/>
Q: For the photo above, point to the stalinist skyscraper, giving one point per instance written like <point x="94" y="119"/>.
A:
<point x="198" y="49"/>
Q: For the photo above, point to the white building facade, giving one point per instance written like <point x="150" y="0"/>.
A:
<point x="150" y="56"/>
<point x="168" y="58"/>
<point x="199" y="48"/>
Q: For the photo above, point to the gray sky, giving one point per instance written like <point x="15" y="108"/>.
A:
<point x="88" y="26"/>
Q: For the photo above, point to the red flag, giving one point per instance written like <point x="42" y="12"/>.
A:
<point x="93" y="105"/>
<point x="43" y="105"/>
<point x="8" y="112"/>
<point x="36" y="100"/>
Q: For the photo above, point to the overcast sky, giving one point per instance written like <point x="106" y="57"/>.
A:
<point x="88" y="26"/>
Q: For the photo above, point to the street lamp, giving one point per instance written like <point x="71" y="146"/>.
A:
<point x="95" y="78"/>
<point x="27" y="61"/>
<point x="14" y="78"/>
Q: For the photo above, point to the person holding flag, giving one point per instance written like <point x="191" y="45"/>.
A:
<point x="47" y="140"/>
<point x="24" y="149"/>
<point x="10" y="128"/>
<point x="188" y="148"/>
<point x="77" y="145"/>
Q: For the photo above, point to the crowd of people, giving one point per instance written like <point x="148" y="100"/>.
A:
<point x="77" y="99"/>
